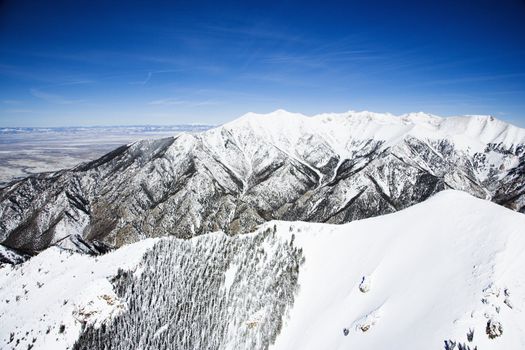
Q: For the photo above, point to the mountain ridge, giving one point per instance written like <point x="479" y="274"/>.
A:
<point x="485" y="127"/>
<point x="326" y="168"/>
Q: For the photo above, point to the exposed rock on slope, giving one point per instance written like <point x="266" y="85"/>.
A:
<point x="331" y="168"/>
<point x="12" y="256"/>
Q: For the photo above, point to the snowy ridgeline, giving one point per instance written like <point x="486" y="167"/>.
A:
<point x="211" y="292"/>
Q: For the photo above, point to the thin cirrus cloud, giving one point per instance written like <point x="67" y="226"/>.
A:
<point x="248" y="30"/>
<point x="472" y="79"/>
<point x="143" y="82"/>
<point x="52" y="98"/>
<point x="316" y="59"/>
<point x="167" y="102"/>
<point x="178" y="102"/>
<point x="13" y="111"/>
<point x="12" y="102"/>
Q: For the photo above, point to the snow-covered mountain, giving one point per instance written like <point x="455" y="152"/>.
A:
<point x="442" y="272"/>
<point x="331" y="168"/>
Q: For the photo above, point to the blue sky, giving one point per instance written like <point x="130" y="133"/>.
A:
<point x="173" y="62"/>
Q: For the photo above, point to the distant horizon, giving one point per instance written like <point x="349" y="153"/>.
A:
<point x="106" y="126"/>
<point x="197" y="124"/>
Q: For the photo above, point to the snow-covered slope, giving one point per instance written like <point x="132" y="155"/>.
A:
<point x="432" y="273"/>
<point x="45" y="301"/>
<point x="331" y="168"/>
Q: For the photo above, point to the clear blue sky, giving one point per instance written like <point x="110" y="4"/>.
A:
<point x="150" y="62"/>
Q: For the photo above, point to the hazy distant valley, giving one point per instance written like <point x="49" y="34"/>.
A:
<point x="26" y="151"/>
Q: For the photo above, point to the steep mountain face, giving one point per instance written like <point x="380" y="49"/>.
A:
<point x="331" y="168"/>
<point x="446" y="271"/>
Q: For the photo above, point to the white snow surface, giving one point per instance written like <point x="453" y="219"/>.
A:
<point x="286" y="128"/>
<point x="431" y="265"/>
<point x="57" y="288"/>
<point x="434" y="271"/>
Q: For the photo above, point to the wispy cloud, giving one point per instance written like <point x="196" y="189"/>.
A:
<point x="19" y="111"/>
<point x="12" y="102"/>
<point x="319" y="59"/>
<point x="51" y="98"/>
<point x="143" y="82"/>
<point x="167" y="102"/>
<point x="104" y="58"/>
<point x="472" y="79"/>
<point x="279" y="79"/>
<point x="253" y="32"/>
<point x="176" y="101"/>
<point x="76" y="82"/>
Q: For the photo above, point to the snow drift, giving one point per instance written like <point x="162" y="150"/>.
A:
<point x="443" y="273"/>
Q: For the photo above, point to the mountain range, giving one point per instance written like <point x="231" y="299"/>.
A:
<point x="328" y="168"/>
